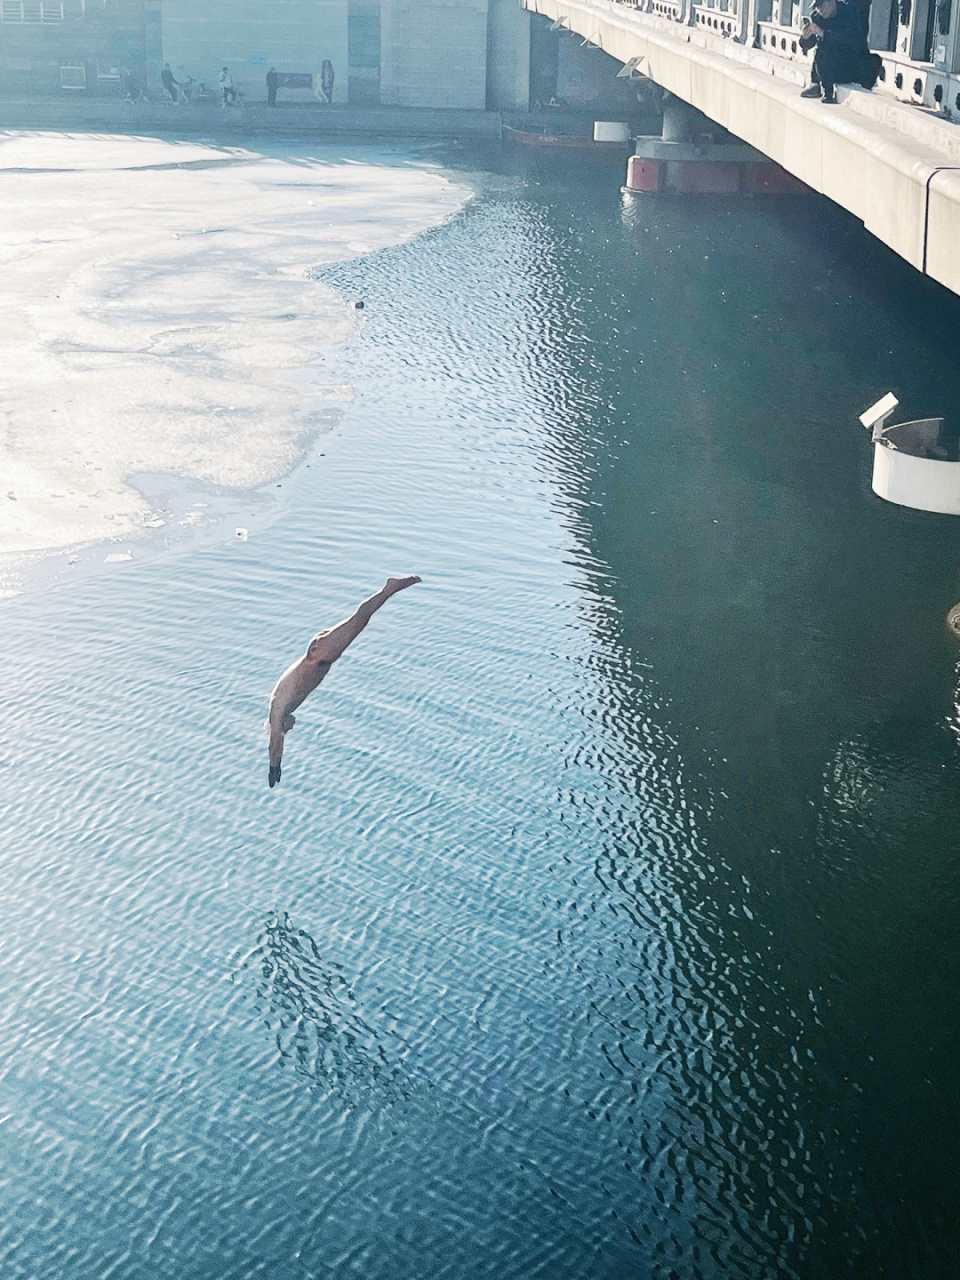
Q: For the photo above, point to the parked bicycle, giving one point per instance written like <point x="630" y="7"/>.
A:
<point x="192" y="90"/>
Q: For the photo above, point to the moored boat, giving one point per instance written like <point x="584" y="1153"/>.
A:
<point x="574" y="145"/>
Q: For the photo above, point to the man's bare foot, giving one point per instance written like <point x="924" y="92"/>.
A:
<point x="393" y="585"/>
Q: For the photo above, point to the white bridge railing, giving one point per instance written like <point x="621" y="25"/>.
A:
<point x="918" y="40"/>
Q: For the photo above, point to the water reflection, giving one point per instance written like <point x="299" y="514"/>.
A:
<point x="794" y="691"/>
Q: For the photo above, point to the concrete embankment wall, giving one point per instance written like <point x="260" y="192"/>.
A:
<point x="254" y="118"/>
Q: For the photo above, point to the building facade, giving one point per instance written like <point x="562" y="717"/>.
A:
<point x="471" y="54"/>
<point x="74" y="46"/>
<point x="397" y="53"/>
<point x="200" y="37"/>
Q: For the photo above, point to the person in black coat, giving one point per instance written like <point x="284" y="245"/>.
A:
<point x="172" y="86"/>
<point x="843" y="55"/>
<point x="273" y="81"/>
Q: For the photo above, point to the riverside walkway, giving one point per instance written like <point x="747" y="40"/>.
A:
<point x="894" y="165"/>
<point x="247" y="119"/>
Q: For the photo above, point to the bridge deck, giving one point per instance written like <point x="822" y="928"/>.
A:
<point x="894" y="166"/>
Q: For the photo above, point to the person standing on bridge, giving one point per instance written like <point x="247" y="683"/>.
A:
<point x="843" y="55"/>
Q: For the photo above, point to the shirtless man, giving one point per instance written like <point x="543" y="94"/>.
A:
<point x="305" y="674"/>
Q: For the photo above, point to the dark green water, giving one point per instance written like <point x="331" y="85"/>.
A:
<point x="788" y="630"/>
<point x="605" y="922"/>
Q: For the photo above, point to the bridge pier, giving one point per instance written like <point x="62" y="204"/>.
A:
<point x="683" y="123"/>
<point x="695" y="156"/>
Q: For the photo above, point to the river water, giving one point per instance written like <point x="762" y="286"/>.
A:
<point x="604" y="923"/>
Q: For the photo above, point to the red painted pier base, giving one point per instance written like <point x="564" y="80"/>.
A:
<point x="684" y="168"/>
<point x="643" y="174"/>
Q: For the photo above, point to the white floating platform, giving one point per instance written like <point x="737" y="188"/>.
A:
<point x="610" y="131"/>
<point x="908" y="471"/>
<point x="915" y="464"/>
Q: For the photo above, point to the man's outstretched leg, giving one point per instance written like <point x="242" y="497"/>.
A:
<point x="330" y="644"/>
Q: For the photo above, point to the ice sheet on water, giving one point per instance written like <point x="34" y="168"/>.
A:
<point x="155" y="314"/>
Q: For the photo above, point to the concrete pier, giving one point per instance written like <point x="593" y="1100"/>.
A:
<point x="693" y="168"/>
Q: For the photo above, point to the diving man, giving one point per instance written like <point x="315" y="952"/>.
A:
<point x="303" y="676"/>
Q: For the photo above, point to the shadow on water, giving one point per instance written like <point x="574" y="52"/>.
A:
<point x="787" y="630"/>
<point x="313" y="1014"/>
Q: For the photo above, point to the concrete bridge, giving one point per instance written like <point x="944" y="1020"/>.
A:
<point x="891" y="156"/>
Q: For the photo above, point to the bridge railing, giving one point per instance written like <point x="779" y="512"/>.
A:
<point x="918" y="40"/>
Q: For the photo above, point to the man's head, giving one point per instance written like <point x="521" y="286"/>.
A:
<point x="827" y="8"/>
<point x="166" y="66"/>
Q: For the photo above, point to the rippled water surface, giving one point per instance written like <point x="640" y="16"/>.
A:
<point x="605" y="921"/>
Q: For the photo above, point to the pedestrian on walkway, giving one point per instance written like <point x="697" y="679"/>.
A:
<point x="172" y="86"/>
<point x="326" y="80"/>
<point x="273" y="82"/>
<point x="226" y="86"/>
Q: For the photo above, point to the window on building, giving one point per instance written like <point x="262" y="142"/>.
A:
<point x="31" y="11"/>
<point x="74" y="77"/>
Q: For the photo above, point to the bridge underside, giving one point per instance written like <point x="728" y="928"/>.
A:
<point x="899" y="175"/>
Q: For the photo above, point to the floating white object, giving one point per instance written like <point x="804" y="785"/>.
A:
<point x="913" y="465"/>
<point x="242" y="535"/>
<point x="876" y="416"/>
<point x="610" y="131"/>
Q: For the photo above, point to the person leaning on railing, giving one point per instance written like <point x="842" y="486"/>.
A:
<point x="843" y="55"/>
